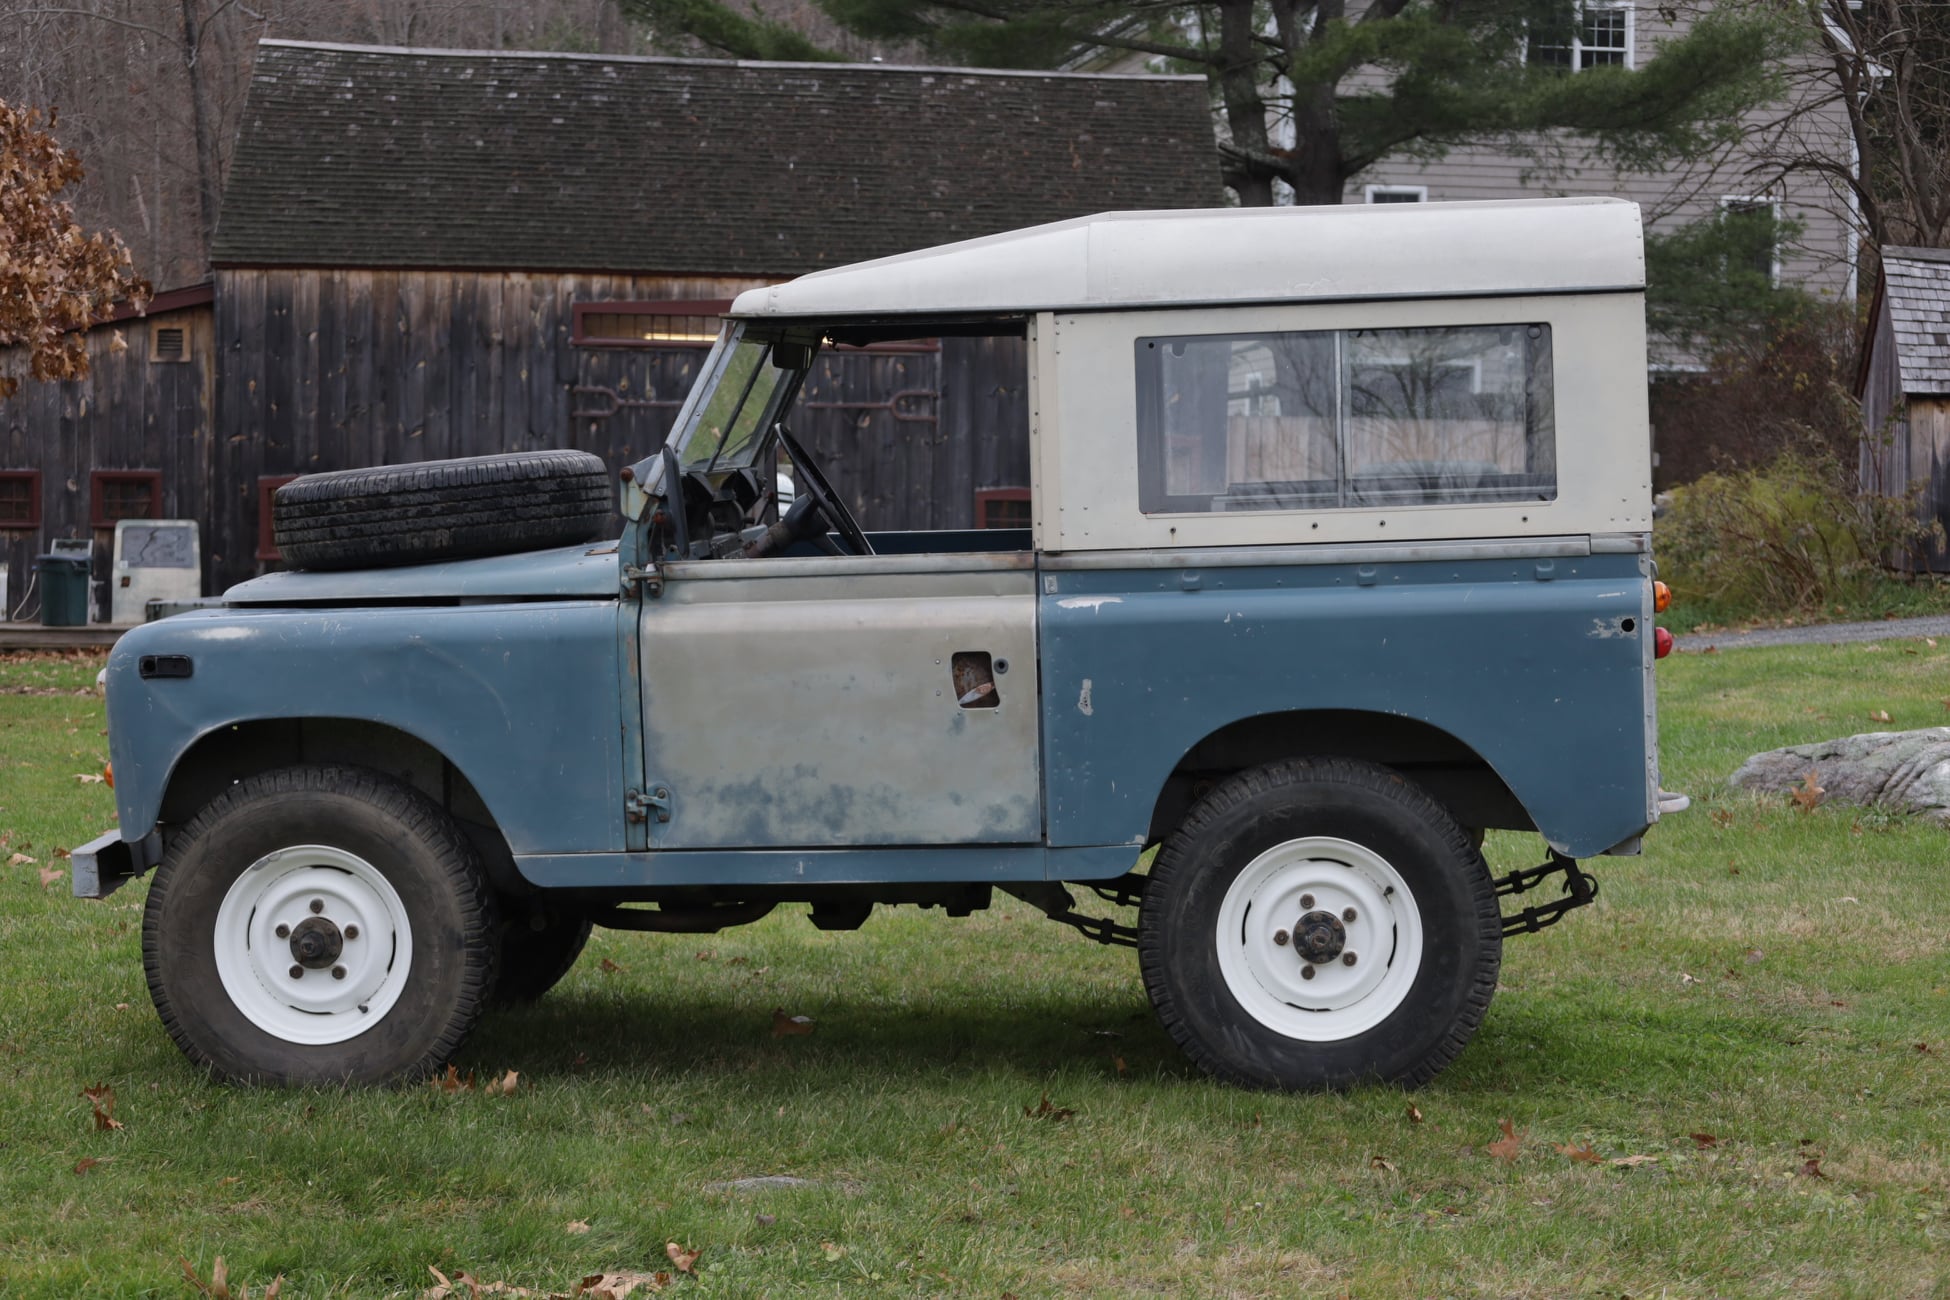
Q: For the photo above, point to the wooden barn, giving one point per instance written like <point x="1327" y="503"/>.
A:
<point x="1904" y="385"/>
<point x="426" y="254"/>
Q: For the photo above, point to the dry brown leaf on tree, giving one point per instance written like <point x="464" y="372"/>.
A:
<point x="102" y="1098"/>
<point x="784" y="1026"/>
<point x="1583" y="1155"/>
<point x="1507" y="1146"/>
<point x="1810" y="792"/>
<point x="685" y="1260"/>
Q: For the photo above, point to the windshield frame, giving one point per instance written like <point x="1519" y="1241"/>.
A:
<point x="745" y="429"/>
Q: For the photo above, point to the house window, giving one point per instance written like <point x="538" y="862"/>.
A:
<point x="1397" y="194"/>
<point x="1002" y="508"/>
<point x="267" y="488"/>
<point x="168" y="343"/>
<point x="1754" y="221"/>
<point x="1600" y="36"/>
<point x="671" y="323"/>
<point x="124" y="494"/>
<point x="20" y="498"/>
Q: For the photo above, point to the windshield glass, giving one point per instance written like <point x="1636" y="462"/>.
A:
<point x="734" y="406"/>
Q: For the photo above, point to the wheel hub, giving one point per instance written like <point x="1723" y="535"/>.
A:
<point x="316" y="943"/>
<point x="1319" y="937"/>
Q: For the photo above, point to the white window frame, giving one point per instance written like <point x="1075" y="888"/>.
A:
<point x="1731" y="202"/>
<point x="1421" y="192"/>
<point x="1576" y="47"/>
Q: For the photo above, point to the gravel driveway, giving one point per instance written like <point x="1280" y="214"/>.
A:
<point x="1894" y="629"/>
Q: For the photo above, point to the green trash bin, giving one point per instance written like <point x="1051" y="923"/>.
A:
<point x="64" y="590"/>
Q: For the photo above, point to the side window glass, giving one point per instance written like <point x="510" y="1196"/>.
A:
<point x="1340" y="418"/>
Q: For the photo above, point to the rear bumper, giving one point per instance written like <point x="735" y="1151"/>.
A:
<point x="102" y="865"/>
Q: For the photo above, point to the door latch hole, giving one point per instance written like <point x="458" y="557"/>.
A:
<point x="974" y="676"/>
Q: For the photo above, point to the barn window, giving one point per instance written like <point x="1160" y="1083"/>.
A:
<point x="168" y="343"/>
<point x="671" y="323"/>
<point x="124" y="494"/>
<point x="1006" y="507"/>
<point x="267" y="488"/>
<point x="20" y="498"/>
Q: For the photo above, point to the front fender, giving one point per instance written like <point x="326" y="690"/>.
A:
<point x="521" y="698"/>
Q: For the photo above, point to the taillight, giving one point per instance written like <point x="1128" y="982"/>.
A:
<point x="1661" y="643"/>
<point x="1661" y="598"/>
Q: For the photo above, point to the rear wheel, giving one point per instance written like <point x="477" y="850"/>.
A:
<point x="1318" y="923"/>
<point x="319" y="925"/>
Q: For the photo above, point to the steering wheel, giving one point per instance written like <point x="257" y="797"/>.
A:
<point x="825" y="501"/>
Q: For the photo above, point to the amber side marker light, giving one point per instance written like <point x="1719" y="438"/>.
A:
<point x="108" y="774"/>
<point x="1661" y="598"/>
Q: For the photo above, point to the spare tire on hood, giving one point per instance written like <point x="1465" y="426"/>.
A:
<point x="441" y="510"/>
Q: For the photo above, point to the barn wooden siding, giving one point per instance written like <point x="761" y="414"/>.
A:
<point x="1906" y="434"/>
<point x="130" y="413"/>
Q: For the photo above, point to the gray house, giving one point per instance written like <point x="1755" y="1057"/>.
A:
<point x="1904" y="386"/>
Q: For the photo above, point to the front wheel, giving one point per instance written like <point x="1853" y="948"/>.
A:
<point x="319" y="925"/>
<point x="1319" y="923"/>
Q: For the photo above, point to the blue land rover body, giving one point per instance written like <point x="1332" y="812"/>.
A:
<point x="1339" y="558"/>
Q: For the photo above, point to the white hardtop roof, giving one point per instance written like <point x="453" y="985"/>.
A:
<point x="1213" y="255"/>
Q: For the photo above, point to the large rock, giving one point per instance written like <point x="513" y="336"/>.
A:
<point x="1896" y="769"/>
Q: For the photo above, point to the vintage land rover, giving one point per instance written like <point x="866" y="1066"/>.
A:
<point x="1338" y="557"/>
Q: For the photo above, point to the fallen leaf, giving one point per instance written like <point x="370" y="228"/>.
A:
<point x="1633" y="1162"/>
<point x="1880" y="715"/>
<point x="1754" y="955"/>
<point x="1376" y="1162"/>
<point x="86" y="1163"/>
<point x="102" y="1098"/>
<point x="1811" y="1168"/>
<point x="1723" y="817"/>
<point x="608" y="967"/>
<point x="833" y="1253"/>
<point x="685" y="1260"/>
<point x="577" y="1227"/>
<point x="1044" y="1110"/>
<point x="1122" y="1069"/>
<point x="452" y="1081"/>
<point x="1810" y="792"/>
<point x="618" y="1286"/>
<point x="1584" y="1155"/>
<point x="49" y="875"/>
<point x="21" y="860"/>
<point x="1506" y="1147"/>
<point x="784" y="1026"/>
<point x="1414" y="1114"/>
<point x="1925" y="1049"/>
<point x="1704" y="1140"/>
<point x="1685" y="979"/>
<point x="766" y="1220"/>
<point x="504" y="1086"/>
<point x="91" y="778"/>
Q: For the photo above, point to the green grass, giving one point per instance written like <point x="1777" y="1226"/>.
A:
<point x="1761" y="975"/>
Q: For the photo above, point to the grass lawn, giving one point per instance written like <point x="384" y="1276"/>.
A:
<point x="1775" y="982"/>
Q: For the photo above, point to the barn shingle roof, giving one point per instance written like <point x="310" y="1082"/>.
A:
<point x="374" y="156"/>
<point x="1916" y="283"/>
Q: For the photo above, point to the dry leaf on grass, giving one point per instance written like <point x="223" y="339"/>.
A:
<point x="685" y="1260"/>
<point x="833" y="1253"/>
<point x="91" y="778"/>
<point x="86" y="1163"/>
<point x="1583" y="1155"/>
<point x="1043" y="1110"/>
<point x="1633" y="1162"/>
<point x="577" y="1227"/>
<point x="1506" y="1147"/>
<point x="1414" y="1114"/>
<point x="1381" y="1164"/>
<point x="49" y="875"/>
<point x="618" y="1286"/>
<point x="784" y="1026"/>
<point x="452" y="1081"/>
<point x="1704" y="1140"/>
<point x="102" y="1098"/>
<point x="218" y="1287"/>
<point x="1811" y="1168"/>
<point x="608" y="967"/>
<point x="504" y="1086"/>
<point x="21" y="860"/>
<point x="1880" y="715"/>
<point x="1810" y="792"/>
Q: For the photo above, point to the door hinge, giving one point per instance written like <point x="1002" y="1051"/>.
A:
<point x="641" y="807"/>
<point x="651" y="580"/>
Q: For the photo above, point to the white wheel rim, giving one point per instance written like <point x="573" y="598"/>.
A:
<point x="333" y="892"/>
<point x="1259" y="952"/>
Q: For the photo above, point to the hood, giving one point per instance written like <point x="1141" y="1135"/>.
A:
<point x="566" y="573"/>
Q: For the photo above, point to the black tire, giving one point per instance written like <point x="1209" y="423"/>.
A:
<point x="1247" y="1017"/>
<point x="538" y="947"/>
<point x="427" y="962"/>
<point x="442" y="510"/>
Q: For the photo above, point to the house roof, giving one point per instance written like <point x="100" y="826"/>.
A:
<point x="1147" y="259"/>
<point x="377" y="156"/>
<point x="1916" y="287"/>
